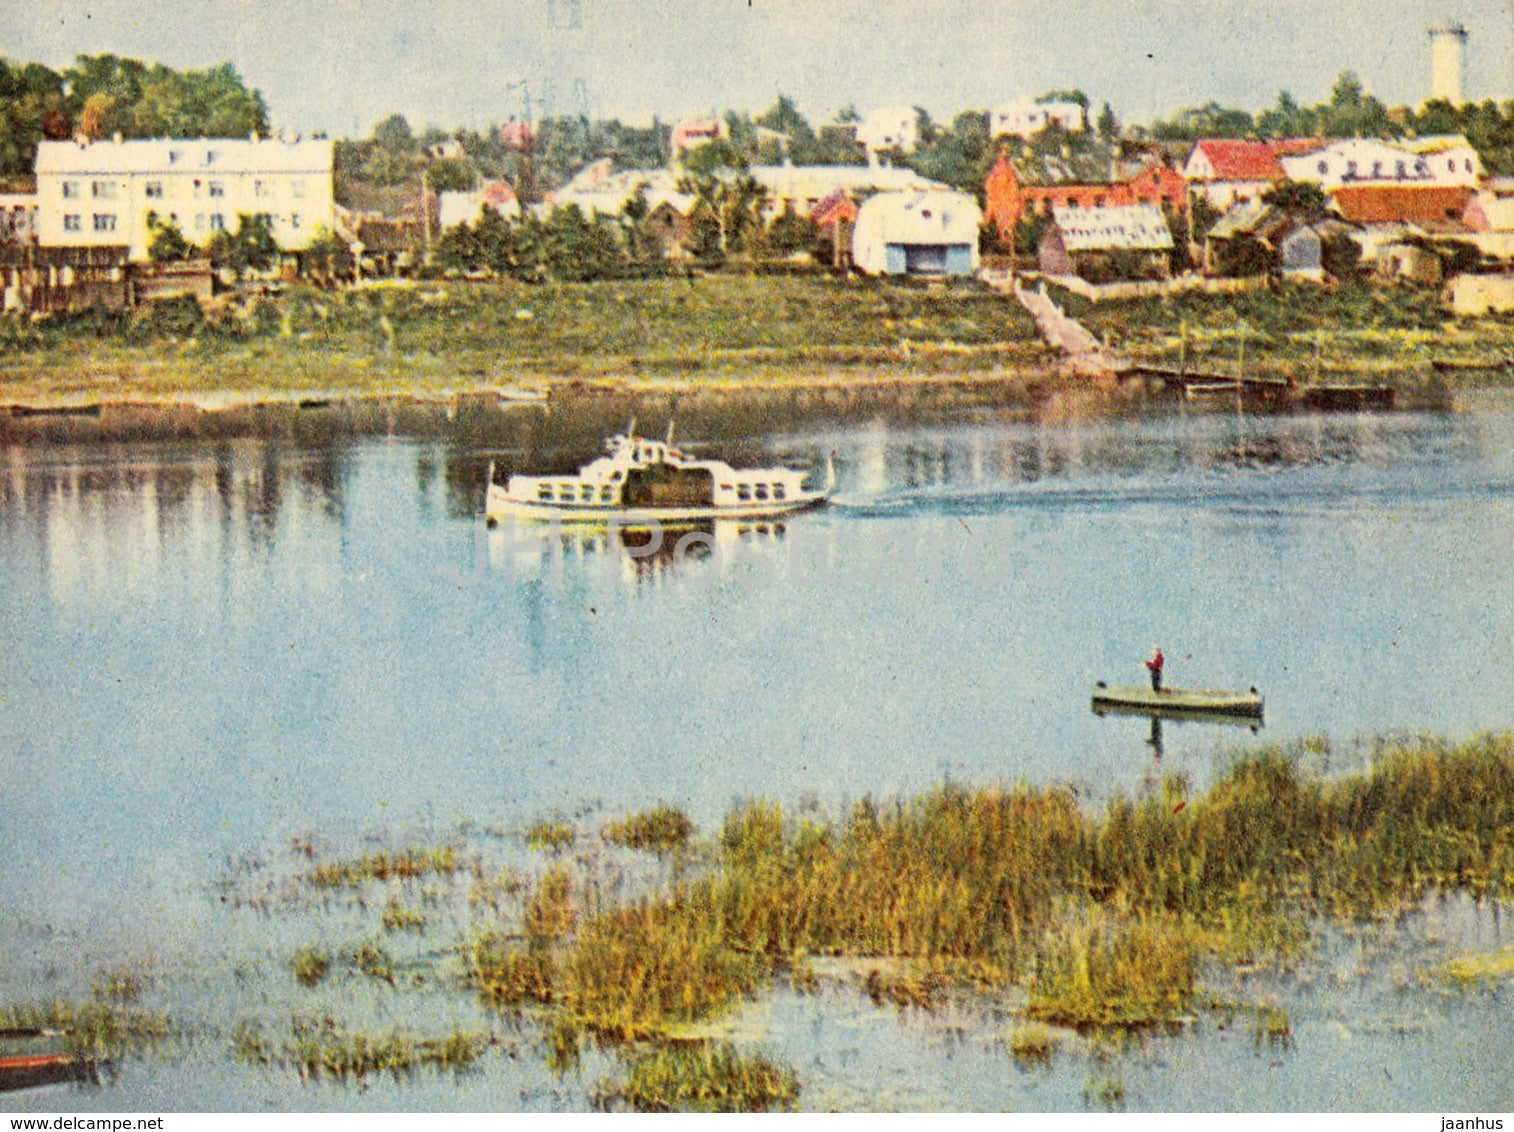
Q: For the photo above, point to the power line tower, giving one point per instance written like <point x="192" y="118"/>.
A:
<point x="565" y="91"/>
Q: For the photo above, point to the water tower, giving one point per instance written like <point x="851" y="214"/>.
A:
<point x="1448" y="49"/>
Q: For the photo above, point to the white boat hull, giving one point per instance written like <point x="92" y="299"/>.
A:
<point x="500" y="506"/>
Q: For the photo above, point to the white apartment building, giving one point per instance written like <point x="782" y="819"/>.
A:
<point x="95" y="194"/>
<point x="1028" y="117"/>
<point x="1441" y="162"/>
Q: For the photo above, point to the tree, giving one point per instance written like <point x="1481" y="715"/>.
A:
<point x="1287" y="119"/>
<point x="1298" y="198"/>
<point x="726" y="194"/>
<point x="168" y="243"/>
<point x="327" y="256"/>
<point x="394" y="135"/>
<point x="250" y="248"/>
<point x="1109" y="125"/>
<point x="1208" y="121"/>
<point x="959" y="156"/>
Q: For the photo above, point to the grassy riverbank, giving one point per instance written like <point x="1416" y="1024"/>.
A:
<point x="1359" y="331"/>
<point x="454" y="336"/>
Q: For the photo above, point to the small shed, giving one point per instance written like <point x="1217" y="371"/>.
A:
<point x="1129" y="241"/>
<point x="926" y="233"/>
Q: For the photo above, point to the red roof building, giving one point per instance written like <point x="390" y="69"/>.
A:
<point x="1225" y="170"/>
<point x="1009" y="200"/>
<point x="1403" y="204"/>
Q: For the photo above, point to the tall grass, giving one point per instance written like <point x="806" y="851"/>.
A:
<point x="1107" y="919"/>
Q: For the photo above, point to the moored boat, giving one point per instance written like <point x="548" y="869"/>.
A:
<point x="1177" y="702"/>
<point x="639" y="480"/>
<point x="32" y="1058"/>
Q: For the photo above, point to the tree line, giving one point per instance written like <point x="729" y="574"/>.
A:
<point x="1351" y="111"/>
<point x="103" y="95"/>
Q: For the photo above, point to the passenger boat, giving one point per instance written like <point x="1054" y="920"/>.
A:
<point x="1175" y="702"/>
<point x="638" y="480"/>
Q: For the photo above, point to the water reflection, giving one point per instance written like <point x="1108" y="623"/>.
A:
<point x="638" y="555"/>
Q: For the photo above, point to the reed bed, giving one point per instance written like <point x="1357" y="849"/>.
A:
<point x="322" y="1047"/>
<point x="661" y="829"/>
<point x="1105" y="920"/>
<point x="701" y="1077"/>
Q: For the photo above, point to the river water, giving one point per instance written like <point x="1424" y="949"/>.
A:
<point x="210" y="648"/>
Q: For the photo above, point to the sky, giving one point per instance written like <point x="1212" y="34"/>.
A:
<point x="343" y="65"/>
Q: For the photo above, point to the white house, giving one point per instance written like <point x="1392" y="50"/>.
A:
<point x="931" y="233"/>
<point x="1366" y="161"/>
<point x="801" y="187"/>
<point x="891" y="127"/>
<point x="98" y="194"/>
<point x="454" y="208"/>
<point x="1026" y="116"/>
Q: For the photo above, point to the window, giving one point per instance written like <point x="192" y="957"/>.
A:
<point x="103" y="190"/>
<point x="218" y="188"/>
<point x="761" y="491"/>
<point x="744" y="492"/>
<point x="1469" y="165"/>
<point x="71" y="222"/>
<point x="294" y="219"/>
<point x="173" y="157"/>
<point x="260" y="188"/>
<point x="544" y="492"/>
<point x="779" y="492"/>
<point x="217" y="222"/>
<point x="105" y="222"/>
<point x="1400" y="170"/>
<point x="1451" y="165"/>
<point x="199" y="222"/>
<point x="1377" y="168"/>
<point x="297" y="188"/>
<point x="606" y="495"/>
<point x="210" y="156"/>
<point x="153" y="190"/>
<point x="586" y="493"/>
<point x="1324" y="168"/>
<point x="199" y="187"/>
<point x="70" y="190"/>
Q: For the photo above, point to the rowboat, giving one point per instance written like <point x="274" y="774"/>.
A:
<point x="1175" y="703"/>
<point x="642" y="481"/>
<point x="31" y="1058"/>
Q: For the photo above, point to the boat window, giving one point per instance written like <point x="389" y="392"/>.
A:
<point x="586" y="493"/>
<point x="565" y="493"/>
<point x="743" y="492"/>
<point x="605" y="495"/>
<point x="779" y="492"/>
<point x="544" y="492"/>
<point x="762" y="491"/>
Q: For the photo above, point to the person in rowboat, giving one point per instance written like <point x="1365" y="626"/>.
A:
<point x="1154" y="666"/>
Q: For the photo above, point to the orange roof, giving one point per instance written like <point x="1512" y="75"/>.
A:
<point x="1412" y="204"/>
<point x="1236" y="159"/>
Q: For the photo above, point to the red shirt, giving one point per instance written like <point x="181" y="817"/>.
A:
<point x="1155" y="663"/>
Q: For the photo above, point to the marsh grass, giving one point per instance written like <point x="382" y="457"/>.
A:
<point x="661" y="829"/>
<point x="400" y="917"/>
<point x="96" y="1029"/>
<point x="1106" y="920"/>
<point x="550" y="834"/>
<point x="1473" y="968"/>
<point x="310" y="965"/>
<point x="405" y="864"/>
<point x="1033" y="1043"/>
<point x="323" y="1047"/>
<point x="700" y="1077"/>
